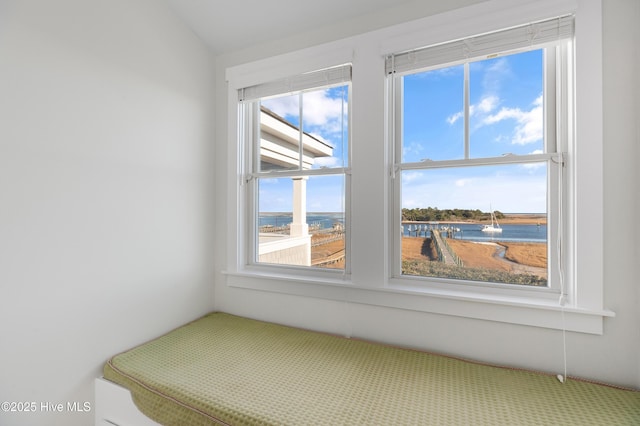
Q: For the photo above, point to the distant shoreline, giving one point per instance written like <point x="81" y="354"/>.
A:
<point x="509" y="219"/>
<point x="525" y="219"/>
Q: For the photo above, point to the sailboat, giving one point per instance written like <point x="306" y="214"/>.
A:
<point x="494" y="227"/>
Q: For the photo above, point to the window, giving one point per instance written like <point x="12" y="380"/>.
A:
<point x="296" y="141"/>
<point x="481" y="125"/>
<point x="458" y="113"/>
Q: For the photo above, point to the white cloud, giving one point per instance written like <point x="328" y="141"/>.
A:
<point x="319" y="109"/>
<point x="495" y="74"/>
<point x="485" y="106"/>
<point x="529" y="123"/>
<point x="463" y="182"/>
<point x="284" y="105"/>
<point x="326" y="161"/>
<point x="532" y="167"/>
<point x="412" y="150"/>
<point x="409" y="177"/>
<point x="455" y="117"/>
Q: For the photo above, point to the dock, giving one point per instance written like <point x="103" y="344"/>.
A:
<point x="446" y="255"/>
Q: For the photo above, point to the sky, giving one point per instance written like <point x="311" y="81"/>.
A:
<point x="505" y="117"/>
<point x="324" y="116"/>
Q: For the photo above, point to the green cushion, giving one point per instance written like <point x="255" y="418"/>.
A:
<point x="224" y="369"/>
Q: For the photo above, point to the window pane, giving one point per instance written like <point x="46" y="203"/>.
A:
<point x="505" y="111"/>
<point x="433" y="122"/>
<point x="324" y="130"/>
<point x="279" y="133"/>
<point x="301" y="221"/>
<point x="325" y="119"/>
<point x="448" y="230"/>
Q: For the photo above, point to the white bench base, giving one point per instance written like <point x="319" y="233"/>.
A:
<point x="114" y="407"/>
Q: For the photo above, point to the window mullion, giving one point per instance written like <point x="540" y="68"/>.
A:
<point x="466" y="103"/>
<point x="301" y="133"/>
<point x="551" y="87"/>
<point x="397" y="90"/>
<point x="396" y="214"/>
<point x="253" y="156"/>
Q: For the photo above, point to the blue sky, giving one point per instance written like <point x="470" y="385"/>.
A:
<point x="506" y="116"/>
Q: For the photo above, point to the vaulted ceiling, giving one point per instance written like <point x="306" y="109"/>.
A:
<point x="233" y="25"/>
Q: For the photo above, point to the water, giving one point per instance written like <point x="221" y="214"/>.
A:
<point x="473" y="232"/>
<point x="316" y="220"/>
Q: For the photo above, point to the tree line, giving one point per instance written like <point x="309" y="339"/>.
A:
<point x="433" y="214"/>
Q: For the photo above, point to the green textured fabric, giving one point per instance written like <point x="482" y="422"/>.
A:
<point x="224" y="369"/>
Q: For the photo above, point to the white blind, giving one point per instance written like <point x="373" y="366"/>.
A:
<point x="522" y="37"/>
<point x="315" y="79"/>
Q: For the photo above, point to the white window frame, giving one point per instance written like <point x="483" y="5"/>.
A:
<point x="558" y="78"/>
<point x="371" y="280"/>
<point x="282" y="80"/>
<point x="249" y="144"/>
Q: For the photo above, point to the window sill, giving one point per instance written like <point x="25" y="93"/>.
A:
<point x="530" y="311"/>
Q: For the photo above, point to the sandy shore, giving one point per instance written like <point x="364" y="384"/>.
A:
<point x="504" y="256"/>
<point x="524" y="219"/>
<point x="528" y="258"/>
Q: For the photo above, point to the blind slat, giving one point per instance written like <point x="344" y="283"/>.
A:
<point x="316" y="79"/>
<point x="525" y="36"/>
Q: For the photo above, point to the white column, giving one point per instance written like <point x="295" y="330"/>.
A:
<point x="299" y="225"/>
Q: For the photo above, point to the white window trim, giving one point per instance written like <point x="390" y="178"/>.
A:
<point x="371" y="284"/>
<point x="556" y="88"/>
<point x="305" y="77"/>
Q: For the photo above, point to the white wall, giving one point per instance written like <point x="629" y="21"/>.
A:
<point x="106" y="191"/>
<point x="636" y="178"/>
<point x="622" y="186"/>
<point x="612" y="357"/>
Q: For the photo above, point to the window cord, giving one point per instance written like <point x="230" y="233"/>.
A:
<point x="562" y="377"/>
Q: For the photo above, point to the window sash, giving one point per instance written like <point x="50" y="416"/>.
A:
<point x="251" y="224"/>
<point x="555" y="216"/>
<point x="556" y="70"/>
<point x="555" y="90"/>
<point x="249" y="116"/>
